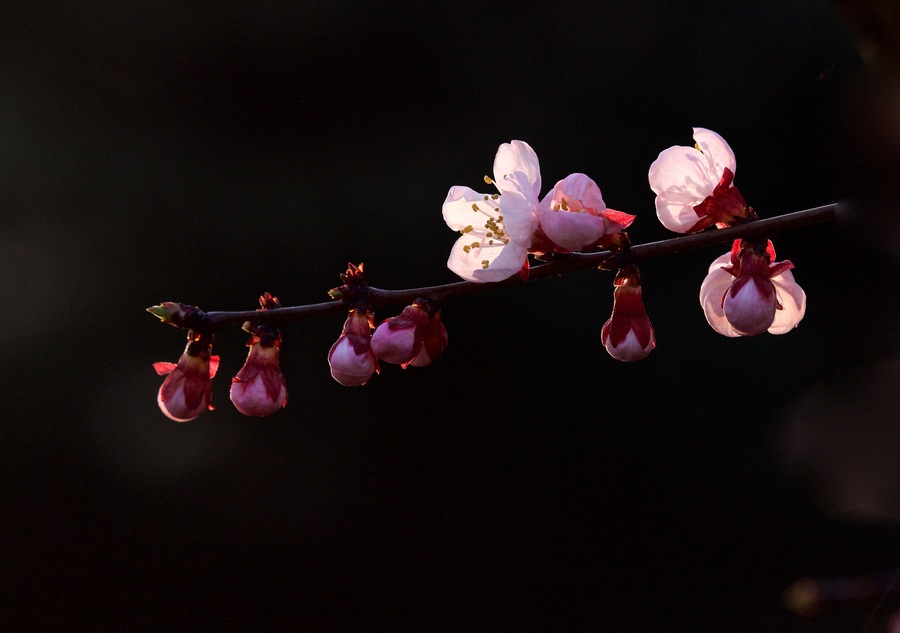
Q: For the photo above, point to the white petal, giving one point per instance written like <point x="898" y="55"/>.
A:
<point x="793" y="303"/>
<point x="517" y="156"/>
<point x="716" y="151"/>
<point x="519" y="210"/>
<point x="503" y="261"/>
<point x="685" y="171"/>
<point x="676" y="211"/>
<point x="681" y="179"/>
<point x="712" y="292"/>
<point x="457" y="207"/>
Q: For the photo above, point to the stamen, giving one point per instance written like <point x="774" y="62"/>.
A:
<point x="468" y="248"/>
<point x="487" y="180"/>
<point x="484" y="264"/>
<point x="475" y="207"/>
<point x="467" y="229"/>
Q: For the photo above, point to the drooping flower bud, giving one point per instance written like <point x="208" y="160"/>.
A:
<point x="185" y="393"/>
<point x="398" y="339"/>
<point x="351" y="357"/>
<point x="433" y="343"/>
<point x="259" y="389"/>
<point x="747" y="292"/>
<point x="628" y="335"/>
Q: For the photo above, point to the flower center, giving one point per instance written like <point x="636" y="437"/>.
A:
<point x="491" y="229"/>
<point x="572" y="206"/>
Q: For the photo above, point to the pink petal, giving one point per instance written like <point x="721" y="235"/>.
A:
<point x="793" y="303"/>
<point x="580" y="192"/>
<point x="571" y="230"/>
<point x="712" y="294"/>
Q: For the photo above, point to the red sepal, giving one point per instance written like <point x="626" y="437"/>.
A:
<point x="163" y="368"/>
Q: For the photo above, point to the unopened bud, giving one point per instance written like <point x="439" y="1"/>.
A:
<point x="351" y="358"/>
<point x="398" y="339"/>
<point x="259" y="389"/>
<point x="185" y="393"/>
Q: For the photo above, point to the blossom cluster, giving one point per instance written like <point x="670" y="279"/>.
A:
<point x="416" y="337"/>
<point x="258" y="389"/>
<point x="499" y="230"/>
<point x="746" y="291"/>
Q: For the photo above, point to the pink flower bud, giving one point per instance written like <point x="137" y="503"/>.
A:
<point x="747" y="293"/>
<point x="351" y="358"/>
<point x="398" y="339"/>
<point x="628" y="335"/>
<point x="259" y="389"/>
<point x="433" y="344"/>
<point x="185" y="393"/>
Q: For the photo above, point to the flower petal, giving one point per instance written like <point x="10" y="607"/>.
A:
<point x="579" y="192"/>
<point x="517" y="156"/>
<point x="486" y="262"/>
<point x="793" y="303"/>
<point x="519" y="210"/>
<point x="629" y="349"/>
<point x="571" y="230"/>
<point x="351" y="360"/>
<point x="457" y="209"/>
<point x="716" y="151"/>
<point x="712" y="293"/>
<point x="681" y="181"/>
<point x="750" y="304"/>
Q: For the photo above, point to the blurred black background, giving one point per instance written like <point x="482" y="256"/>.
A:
<point x="207" y="152"/>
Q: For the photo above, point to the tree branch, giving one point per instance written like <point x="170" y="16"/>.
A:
<point x="560" y="265"/>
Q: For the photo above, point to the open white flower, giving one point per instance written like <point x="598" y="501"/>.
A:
<point x="693" y="185"/>
<point x="496" y="228"/>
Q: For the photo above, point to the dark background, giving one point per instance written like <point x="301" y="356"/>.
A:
<point x="208" y="152"/>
